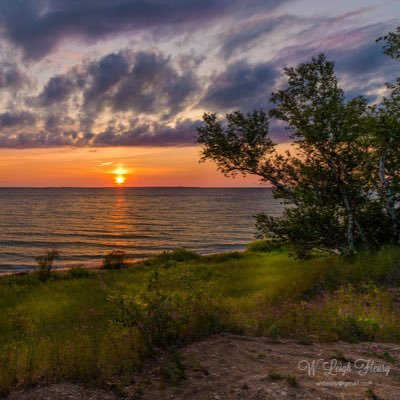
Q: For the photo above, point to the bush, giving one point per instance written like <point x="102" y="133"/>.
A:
<point x="262" y="246"/>
<point x="114" y="260"/>
<point x="176" y="307"/>
<point x="45" y="263"/>
<point x="170" y="258"/>
<point x="78" y="272"/>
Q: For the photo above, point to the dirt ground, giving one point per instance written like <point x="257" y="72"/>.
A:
<point x="230" y="367"/>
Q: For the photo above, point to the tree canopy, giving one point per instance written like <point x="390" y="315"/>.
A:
<point x="341" y="179"/>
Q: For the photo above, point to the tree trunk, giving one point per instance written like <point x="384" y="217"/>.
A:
<point x="390" y="203"/>
<point x="351" y="222"/>
<point x="363" y="236"/>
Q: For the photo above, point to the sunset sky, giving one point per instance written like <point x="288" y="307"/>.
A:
<point x="90" y="86"/>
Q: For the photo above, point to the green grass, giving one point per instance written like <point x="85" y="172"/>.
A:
<point x="99" y="326"/>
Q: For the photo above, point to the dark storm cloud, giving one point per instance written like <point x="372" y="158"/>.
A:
<point x="143" y="82"/>
<point x="38" y="26"/>
<point x="58" y="89"/>
<point x="16" y="119"/>
<point x="105" y="74"/>
<point x="139" y="133"/>
<point x="366" y="58"/>
<point x="241" y="86"/>
<point x="149" y="134"/>
<point x="118" y="87"/>
<point x="360" y="62"/>
<point x="154" y="85"/>
<point x="11" y="77"/>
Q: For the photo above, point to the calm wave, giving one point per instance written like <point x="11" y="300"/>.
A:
<point x="86" y="223"/>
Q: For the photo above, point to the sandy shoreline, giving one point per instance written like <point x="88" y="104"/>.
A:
<point x="95" y="265"/>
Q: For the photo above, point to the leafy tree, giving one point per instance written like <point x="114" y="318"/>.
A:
<point x="328" y="177"/>
<point x="385" y="128"/>
<point x="392" y="44"/>
<point x="329" y="135"/>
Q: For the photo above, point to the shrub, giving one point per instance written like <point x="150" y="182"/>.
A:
<point x="170" y="258"/>
<point x="114" y="260"/>
<point x="78" y="272"/>
<point x="262" y="246"/>
<point x="176" y="307"/>
<point x="45" y="263"/>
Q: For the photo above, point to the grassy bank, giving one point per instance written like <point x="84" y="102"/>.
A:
<point x="99" y="326"/>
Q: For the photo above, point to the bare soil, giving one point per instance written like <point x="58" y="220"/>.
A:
<point x="230" y="367"/>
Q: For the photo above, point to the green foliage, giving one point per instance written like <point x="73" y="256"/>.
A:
<point x="45" y="263"/>
<point x="341" y="177"/>
<point x="262" y="246"/>
<point x="275" y="376"/>
<point x="114" y="260"/>
<point x="292" y="380"/>
<point x="78" y="272"/>
<point x="371" y="394"/>
<point x="392" y="44"/>
<point x="174" y="308"/>
<point x="68" y="329"/>
<point x="170" y="258"/>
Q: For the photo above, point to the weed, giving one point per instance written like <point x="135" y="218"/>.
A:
<point x="371" y="395"/>
<point x="78" y="272"/>
<point x="45" y="263"/>
<point x="114" y="260"/>
<point x="275" y="376"/>
<point x="291" y="380"/>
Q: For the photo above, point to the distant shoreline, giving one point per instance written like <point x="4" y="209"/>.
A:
<point x="98" y="265"/>
<point x="136" y="187"/>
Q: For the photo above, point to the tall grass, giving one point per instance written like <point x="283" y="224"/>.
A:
<point x="99" y="326"/>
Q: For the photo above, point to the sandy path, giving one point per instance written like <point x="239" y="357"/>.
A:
<point x="229" y="367"/>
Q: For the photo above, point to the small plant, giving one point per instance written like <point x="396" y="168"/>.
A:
<point x="170" y="258"/>
<point x="292" y="380"/>
<point x="176" y="306"/>
<point x="78" y="272"/>
<point x="114" y="260"/>
<point x="275" y="376"/>
<point x="371" y="395"/>
<point x="340" y="356"/>
<point x="45" y="263"/>
<point x="388" y="357"/>
<point x="172" y="369"/>
<point x="262" y="246"/>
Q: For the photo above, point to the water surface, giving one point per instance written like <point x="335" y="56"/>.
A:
<point x="86" y="223"/>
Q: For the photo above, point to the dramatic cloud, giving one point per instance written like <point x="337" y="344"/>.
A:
<point x="153" y="78"/>
<point x="365" y="59"/>
<point x="143" y="82"/>
<point x="154" y="85"/>
<point x="240" y="86"/>
<point x="104" y="75"/>
<point x="11" y="77"/>
<point x="138" y="133"/>
<point x="246" y="35"/>
<point x="149" y="134"/>
<point x="58" y="89"/>
<point x="38" y="26"/>
<point x="16" y="119"/>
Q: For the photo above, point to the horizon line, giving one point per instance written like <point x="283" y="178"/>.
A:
<point x="136" y="187"/>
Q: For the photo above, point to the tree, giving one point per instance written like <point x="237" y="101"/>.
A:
<point x="385" y="128"/>
<point x="326" y="178"/>
<point x="391" y="46"/>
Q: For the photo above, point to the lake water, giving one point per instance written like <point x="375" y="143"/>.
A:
<point x="87" y="223"/>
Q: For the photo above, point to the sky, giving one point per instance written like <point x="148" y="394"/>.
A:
<point x="91" y="89"/>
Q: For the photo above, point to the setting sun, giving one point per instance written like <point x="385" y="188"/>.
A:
<point x="119" y="180"/>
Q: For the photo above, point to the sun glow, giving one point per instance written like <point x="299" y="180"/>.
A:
<point x="121" y="171"/>
<point x="120" y="175"/>
<point x="120" y="180"/>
